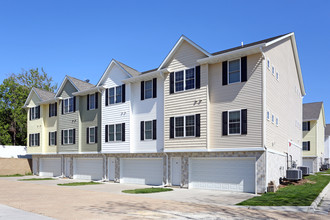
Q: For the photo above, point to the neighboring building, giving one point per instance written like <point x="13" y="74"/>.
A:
<point x="327" y="144"/>
<point x="313" y="135"/>
<point x="229" y="120"/>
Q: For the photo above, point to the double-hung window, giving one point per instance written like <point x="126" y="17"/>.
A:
<point x="52" y="138"/>
<point x="306" y="146"/>
<point x="148" y="89"/>
<point x="148" y="130"/>
<point x="185" y="126"/>
<point x="115" y="132"/>
<point x="68" y="136"/>
<point x="118" y="94"/>
<point x="91" y="101"/>
<point x="185" y="80"/>
<point x="92" y="135"/>
<point x="234" y="122"/>
<point x="34" y="139"/>
<point x="52" y="109"/>
<point x="179" y="81"/>
<point x="115" y="95"/>
<point x="306" y="126"/>
<point x="34" y="112"/>
<point x="68" y="105"/>
<point x="234" y="71"/>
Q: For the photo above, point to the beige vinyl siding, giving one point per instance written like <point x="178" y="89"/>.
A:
<point x="320" y="135"/>
<point x="283" y="98"/>
<point x="311" y="136"/>
<point x="35" y="126"/>
<point x="68" y="121"/>
<point x="89" y="118"/>
<point x="186" y="102"/>
<point x="50" y="126"/>
<point x="242" y="95"/>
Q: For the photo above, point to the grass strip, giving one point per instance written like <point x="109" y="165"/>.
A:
<point x="147" y="190"/>
<point x="33" y="179"/>
<point x="79" y="183"/>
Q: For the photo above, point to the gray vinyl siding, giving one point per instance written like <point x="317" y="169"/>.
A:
<point x="242" y="95"/>
<point x="282" y="99"/>
<point x="89" y="118"/>
<point x="187" y="102"/>
<point x="68" y="121"/>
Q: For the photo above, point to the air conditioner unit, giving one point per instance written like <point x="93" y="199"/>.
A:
<point x="293" y="174"/>
<point x="324" y="167"/>
<point x="304" y="170"/>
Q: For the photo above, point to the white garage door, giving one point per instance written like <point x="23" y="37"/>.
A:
<point x="142" y="171"/>
<point x="50" y="167"/>
<point x="308" y="163"/>
<point x="231" y="174"/>
<point x="88" y="168"/>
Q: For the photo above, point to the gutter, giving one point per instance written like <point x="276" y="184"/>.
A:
<point x="89" y="91"/>
<point x="146" y="76"/>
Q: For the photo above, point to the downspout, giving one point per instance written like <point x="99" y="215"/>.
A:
<point x="264" y="110"/>
<point x="166" y="184"/>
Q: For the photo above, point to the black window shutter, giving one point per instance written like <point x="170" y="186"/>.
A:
<point x="55" y="108"/>
<point x="123" y="90"/>
<point x="123" y="131"/>
<point x="30" y="114"/>
<point x="95" y="135"/>
<point x="224" y="123"/>
<point x="106" y="97"/>
<point x="62" y="104"/>
<point x="38" y="139"/>
<point x="224" y="73"/>
<point x="198" y="77"/>
<point x="87" y="102"/>
<point x="244" y="121"/>
<point x="154" y="88"/>
<point x="308" y="125"/>
<point x="38" y="111"/>
<point x="62" y="136"/>
<point x="142" y="90"/>
<point x="171" y="83"/>
<point x="49" y="138"/>
<point x="74" y="103"/>
<point x="142" y="130"/>
<point x="96" y="100"/>
<point x="74" y="136"/>
<point x="154" y="129"/>
<point x="87" y="135"/>
<point x="198" y="125"/>
<point x="106" y="133"/>
<point x="172" y="127"/>
<point x="30" y="140"/>
<point x="55" y="137"/>
<point x="243" y="69"/>
<point x="309" y="145"/>
<point x="49" y="110"/>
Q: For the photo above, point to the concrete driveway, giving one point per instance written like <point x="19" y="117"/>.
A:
<point x="107" y="202"/>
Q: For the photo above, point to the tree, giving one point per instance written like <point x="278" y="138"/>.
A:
<point x="13" y="93"/>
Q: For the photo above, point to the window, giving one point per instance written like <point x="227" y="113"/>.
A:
<point x="306" y="126"/>
<point x="68" y="136"/>
<point x="148" y="130"/>
<point x="234" y="71"/>
<point x="273" y="70"/>
<point x="268" y="64"/>
<point x="185" y="126"/>
<point x="234" y="122"/>
<point x="277" y="121"/>
<point x="268" y="115"/>
<point x="118" y="94"/>
<point x="306" y="146"/>
<point x="115" y="95"/>
<point x="35" y="113"/>
<point x="273" y="119"/>
<point x="91" y="101"/>
<point x="277" y="76"/>
<point x="52" y="138"/>
<point x="185" y="80"/>
<point x="68" y="105"/>
<point x="91" y="135"/>
<point x="148" y="89"/>
<point x="52" y="109"/>
<point x="114" y="132"/>
<point x="34" y="139"/>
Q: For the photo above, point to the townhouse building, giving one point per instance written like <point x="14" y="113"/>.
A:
<point x="229" y="120"/>
<point x="327" y="144"/>
<point x="313" y="135"/>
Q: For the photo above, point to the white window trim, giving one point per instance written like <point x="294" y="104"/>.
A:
<point x="152" y="129"/>
<point x="114" y="133"/>
<point x="89" y="133"/>
<point x="184" y="79"/>
<point x="240" y="121"/>
<point x="152" y="88"/>
<point x="34" y="115"/>
<point x="53" y="108"/>
<point x="115" y="96"/>
<point x="68" y="136"/>
<point x="50" y="141"/>
<point x="184" y="126"/>
<point x="67" y="111"/>
<point x="34" y="142"/>
<point x="91" y="102"/>
<point x="240" y="71"/>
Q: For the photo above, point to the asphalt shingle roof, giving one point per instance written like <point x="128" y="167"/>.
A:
<point x="130" y="70"/>
<point x="81" y="85"/>
<point x="327" y="130"/>
<point x="311" y="111"/>
<point x="44" y="94"/>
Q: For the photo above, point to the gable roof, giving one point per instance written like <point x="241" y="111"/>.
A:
<point x="327" y="130"/>
<point x="77" y="83"/>
<point x="311" y="111"/>
<point x="42" y="95"/>
<point x="130" y="70"/>
<point x="177" y="45"/>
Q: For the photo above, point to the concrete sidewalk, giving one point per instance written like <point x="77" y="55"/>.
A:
<point x="7" y="212"/>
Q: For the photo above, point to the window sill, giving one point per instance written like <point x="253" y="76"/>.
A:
<point x="187" y="137"/>
<point x="234" y="83"/>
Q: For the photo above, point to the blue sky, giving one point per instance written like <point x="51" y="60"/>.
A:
<point x="79" y="38"/>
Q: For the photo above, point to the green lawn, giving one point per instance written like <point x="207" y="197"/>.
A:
<point x="292" y="195"/>
<point x="33" y="179"/>
<point x="79" y="184"/>
<point x="16" y="175"/>
<point x="324" y="172"/>
<point x="147" y="190"/>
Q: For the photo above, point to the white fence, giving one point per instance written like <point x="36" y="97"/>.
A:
<point x="12" y="151"/>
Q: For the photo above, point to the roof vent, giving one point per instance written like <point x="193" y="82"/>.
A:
<point x="87" y="80"/>
<point x="242" y="44"/>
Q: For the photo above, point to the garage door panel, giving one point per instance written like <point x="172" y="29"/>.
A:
<point x="308" y="163"/>
<point x="88" y="168"/>
<point x="50" y="167"/>
<point x="223" y="174"/>
<point x="142" y="171"/>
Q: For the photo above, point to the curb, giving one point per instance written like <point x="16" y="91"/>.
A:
<point x="313" y="206"/>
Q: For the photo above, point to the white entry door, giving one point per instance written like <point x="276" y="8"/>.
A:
<point x="176" y="171"/>
<point x="111" y="168"/>
<point x="88" y="168"/>
<point x="230" y="174"/>
<point x="147" y="171"/>
<point x="50" y="167"/>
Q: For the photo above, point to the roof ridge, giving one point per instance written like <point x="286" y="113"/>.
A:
<point x="79" y="80"/>
<point x="121" y="63"/>
<point x="44" y="90"/>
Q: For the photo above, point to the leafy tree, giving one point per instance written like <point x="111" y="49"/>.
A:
<point x="14" y="91"/>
